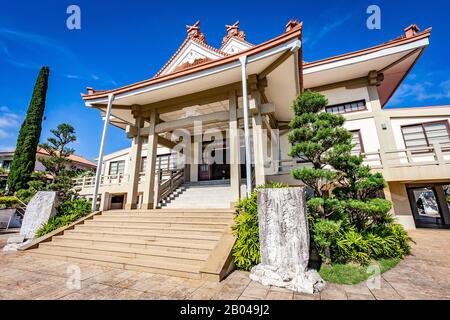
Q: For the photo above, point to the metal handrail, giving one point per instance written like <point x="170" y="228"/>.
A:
<point x="164" y="188"/>
<point x="21" y="209"/>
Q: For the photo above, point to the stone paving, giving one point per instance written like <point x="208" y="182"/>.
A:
<point x="5" y="234"/>
<point x="423" y="275"/>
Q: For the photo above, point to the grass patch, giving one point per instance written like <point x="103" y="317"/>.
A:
<point x="353" y="273"/>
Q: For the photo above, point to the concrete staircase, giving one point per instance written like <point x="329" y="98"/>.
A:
<point x="210" y="194"/>
<point x="177" y="242"/>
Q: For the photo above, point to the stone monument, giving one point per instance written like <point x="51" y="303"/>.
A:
<point x="40" y="209"/>
<point x="284" y="240"/>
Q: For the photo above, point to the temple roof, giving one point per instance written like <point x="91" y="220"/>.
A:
<point x="195" y="50"/>
<point x="195" y="55"/>
<point x="394" y="59"/>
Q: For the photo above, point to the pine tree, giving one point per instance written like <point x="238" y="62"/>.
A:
<point x="58" y="164"/>
<point x="349" y="216"/>
<point x="25" y="155"/>
<point x="340" y="180"/>
<point x="318" y="137"/>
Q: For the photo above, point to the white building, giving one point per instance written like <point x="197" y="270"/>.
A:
<point x="232" y="105"/>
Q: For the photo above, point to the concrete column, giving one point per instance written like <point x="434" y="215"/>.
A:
<point x="105" y="201"/>
<point x="196" y="150"/>
<point x="401" y="206"/>
<point x="383" y="125"/>
<point x="149" y="184"/>
<point x="194" y="161"/>
<point x="258" y="145"/>
<point x="135" y="167"/>
<point x="235" y="146"/>
<point x="275" y="149"/>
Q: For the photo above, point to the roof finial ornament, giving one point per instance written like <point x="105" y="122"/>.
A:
<point x="233" y="28"/>
<point x="194" y="32"/>
<point x="292" y="24"/>
<point x="411" y="30"/>
<point x="233" y="31"/>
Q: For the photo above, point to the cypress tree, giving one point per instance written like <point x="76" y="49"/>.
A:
<point x="25" y="155"/>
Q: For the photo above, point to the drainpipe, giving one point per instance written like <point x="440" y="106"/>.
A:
<point x="248" y="159"/>
<point x="101" y="152"/>
<point x="295" y="49"/>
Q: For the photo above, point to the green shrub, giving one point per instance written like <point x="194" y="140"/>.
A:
<point x="339" y="241"/>
<point x="25" y="195"/>
<point x="246" y="230"/>
<point x="324" y="233"/>
<point x="68" y="212"/>
<point x="8" y="202"/>
<point x="354" y="246"/>
<point x="77" y="206"/>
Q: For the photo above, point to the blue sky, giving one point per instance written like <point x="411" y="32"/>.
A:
<point x="124" y="42"/>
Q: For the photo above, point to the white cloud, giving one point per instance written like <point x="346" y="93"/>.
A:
<point x="445" y="85"/>
<point x="327" y="28"/>
<point x="72" y="76"/>
<point x="422" y="91"/>
<point x="7" y="148"/>
<point x="8" y="122"/>
<point x="3" y="134"/>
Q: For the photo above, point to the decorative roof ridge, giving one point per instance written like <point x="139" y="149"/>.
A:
<point x="238" y="39"/>
<point x="195" y="35"/>
<point x="233" y="32"/>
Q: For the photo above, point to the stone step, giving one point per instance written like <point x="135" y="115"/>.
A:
<point x="159" y="225"/>
<point x="180" y="220"/>
<point x="175" y="246"/>
<point x="201" y="195"/>
<point x="148" y="235"/>
<point x="168" y="211"/>
<point x="132" y="253"/>
<point x="100" y="227"/>
<point x="172" y="269"/>
<point x="194" y="204"/>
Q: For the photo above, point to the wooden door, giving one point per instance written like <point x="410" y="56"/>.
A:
<point x="204" y="172"/>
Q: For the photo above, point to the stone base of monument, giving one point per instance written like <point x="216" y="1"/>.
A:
<point x="284" y="242"/>
<point x="40" y="209"/>
<point x="14" y="243"/>
<point x="308" y="281"/>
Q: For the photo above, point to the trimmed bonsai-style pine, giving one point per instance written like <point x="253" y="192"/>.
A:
<point x="350" y="219"/>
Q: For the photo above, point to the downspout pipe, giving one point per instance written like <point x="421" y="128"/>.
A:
<point x="248" y="158"/>
<point x="101" y="152"/>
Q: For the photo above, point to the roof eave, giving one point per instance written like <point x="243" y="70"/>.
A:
<point x="292" y="34"/>
<point x="424" y="34"/>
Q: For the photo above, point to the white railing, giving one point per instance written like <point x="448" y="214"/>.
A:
<point x="438" y="154"/>
<point x="166" y="163"/>
<point x="105" y="180"/>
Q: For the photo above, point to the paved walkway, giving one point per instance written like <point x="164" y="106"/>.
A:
<point x="6" y="234"/>
<point x="423" y="275"/>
